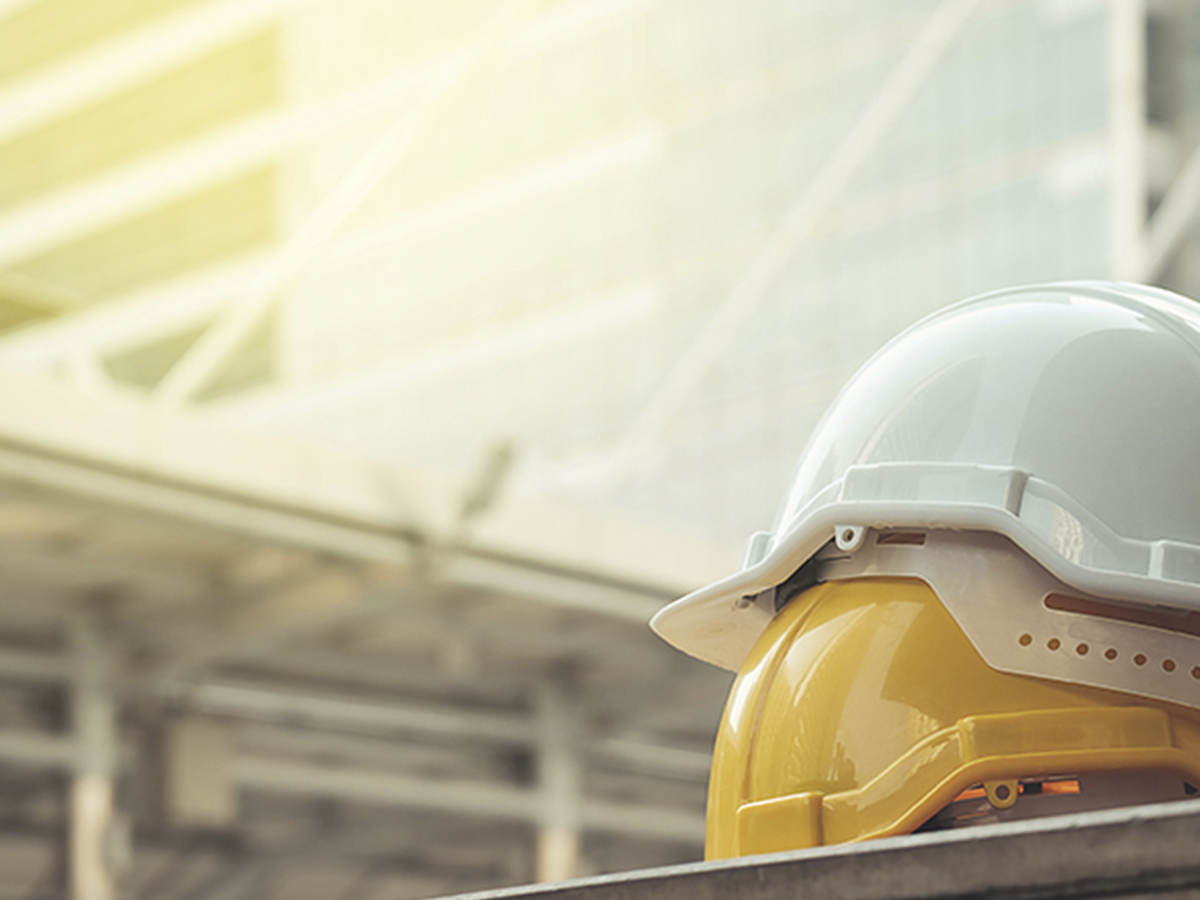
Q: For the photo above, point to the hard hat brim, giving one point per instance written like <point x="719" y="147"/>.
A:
<point x="716" y="624"/>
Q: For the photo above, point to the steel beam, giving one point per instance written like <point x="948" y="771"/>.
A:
<point x="621" y="310"/>
<point x="261" y="739"/>
<point x="178" y="467"/>
<point x="133" y="57"/>
<point x="542" y="581"/>
<point x="342" y="711"/>
<point x="80" y="209"/>
<point x="659" y="759"/>
<point x="497" y="577"/>
<point x="77" y="210"/>
<point x="171" y="307"/>
<point x="1172" y="220"/>
<point x="36" y="750"/>
<point x="208" y="353"/>
<point x="466" y="797"/>
<point x="556" y="805"/>
<point x="456" y="796"/>
<point x="42" y="564"/>
<point x="259" y="702"/>
<point x="164" y="309"/>
<point x="639" y="819"/>
<point x="37" y="666"/>
<point x="166" y="42"/>
<point x="384" y="674"/>
<point x="339" y="710"/>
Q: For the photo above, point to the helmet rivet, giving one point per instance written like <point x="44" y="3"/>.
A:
<point x="1053" y="643"/>
<point x="1082" y="649"/>
<point x="1110" y="653"/>
<point x="1140" y="659"/>
<point x="1025" y="640"/>
<point x="1168" y="665"/>
<point x="849" y="537"/>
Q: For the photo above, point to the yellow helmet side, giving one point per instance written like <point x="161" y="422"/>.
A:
<point x="863" y="710"/>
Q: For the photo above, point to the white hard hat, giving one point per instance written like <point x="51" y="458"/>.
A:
<point x="1065" y="417"/>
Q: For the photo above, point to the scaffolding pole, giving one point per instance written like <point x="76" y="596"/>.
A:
<point x="1127" y="136"/>
<point x="94" y="732"/>
<point x="558" y="841"/>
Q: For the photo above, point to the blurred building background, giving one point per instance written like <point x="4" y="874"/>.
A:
<point x="373" y="370"/>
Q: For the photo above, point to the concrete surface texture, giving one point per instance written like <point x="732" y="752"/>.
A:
<point x="1138" y="851"/>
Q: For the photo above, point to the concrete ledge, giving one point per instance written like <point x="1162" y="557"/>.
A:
<point x="1137" y="851"/>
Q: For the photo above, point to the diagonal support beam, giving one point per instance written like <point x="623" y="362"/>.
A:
<point x="80" y="209"/>
<point x="214" y="346"/>
<point x="170" y="307"/>
<point x="1176" y="214"/>
<point x="133" y="57"/>
<point x="620" y="310"/>
<point x="161" y="310"/>
<point x="896" y="94"/>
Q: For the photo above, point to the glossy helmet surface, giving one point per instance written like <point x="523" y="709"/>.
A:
<point x="1065" y="417"/>
<point x="986" y="577"/>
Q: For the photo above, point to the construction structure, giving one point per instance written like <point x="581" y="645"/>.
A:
<point x="229" y="662"/>
<point x="371" y="372"/>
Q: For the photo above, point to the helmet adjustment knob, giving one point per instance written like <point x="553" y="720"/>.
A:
<point x="1001" y="794"/>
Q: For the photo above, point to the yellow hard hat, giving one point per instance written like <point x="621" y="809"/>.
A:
<point x="864" y="711"/>
<point x="982" y="599"/>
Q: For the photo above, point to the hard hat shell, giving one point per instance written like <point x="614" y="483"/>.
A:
<point x="863" y="709"/>
<point x="1065" y="417"/>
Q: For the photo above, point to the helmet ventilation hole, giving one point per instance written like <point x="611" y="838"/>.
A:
<point x="1083" y="649"/>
